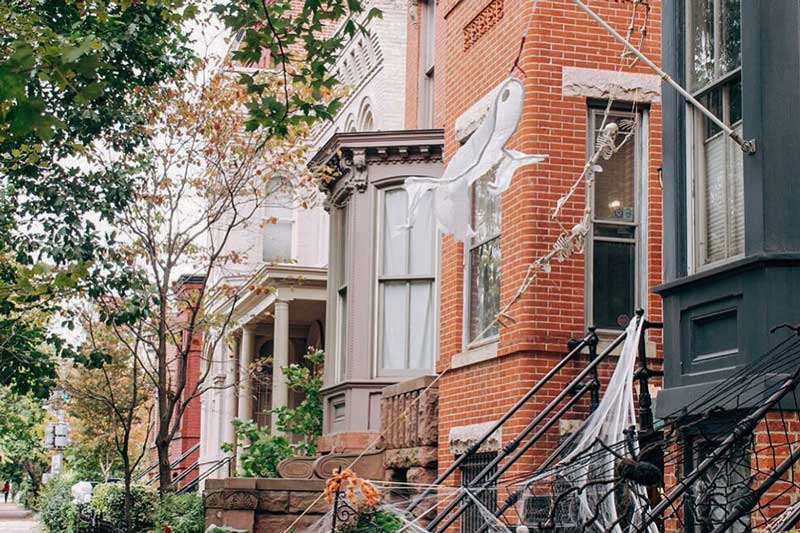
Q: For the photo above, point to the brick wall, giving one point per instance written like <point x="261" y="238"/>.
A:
<point x="774" y="438"/>
<point x="477" y="42"/>
<point x="189" y="431"/>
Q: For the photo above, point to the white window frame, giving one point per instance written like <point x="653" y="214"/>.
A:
<point x="640" y="191"/>
<point x="342" y="279"/>
<point x="695" y="161"/>
<point x="381" y="279"/>
<point x="467" y="342"/>
<point x="287" y="215"/>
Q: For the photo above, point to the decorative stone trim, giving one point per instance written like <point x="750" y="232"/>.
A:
<point x="462" y="437"/>
<point x="410" y="457"/>
<point x="368" y="465"/>
<point x="482" y="23"/>
<point x="237" y="499"/>
<point x="477" y="354"/>
<point x="469" y="120"/>
<point x="296" y="468"/>
<point x="597" y="83"/>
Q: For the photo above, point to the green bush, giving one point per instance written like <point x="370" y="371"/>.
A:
<point x="182" y="513"/>
<point x="264" y="451"/>
<point x="108" y="499"/>
<point x="58" y="513"/>
<point x="260" y="450"/>
<point x="27" y="497"/>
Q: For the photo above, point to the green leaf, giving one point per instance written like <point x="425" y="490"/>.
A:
<point x="72" y="53"/>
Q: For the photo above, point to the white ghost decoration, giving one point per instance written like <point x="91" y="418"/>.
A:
<point x="81" y="492"/>
<point x="482" y="154"/>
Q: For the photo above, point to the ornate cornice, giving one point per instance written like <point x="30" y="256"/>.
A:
<point x="349" y="155"/>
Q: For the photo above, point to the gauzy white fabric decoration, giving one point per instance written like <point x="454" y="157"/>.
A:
<point x="589" y="468"/>
<point x="484" y="154"/>
<point x="81" y="492"/>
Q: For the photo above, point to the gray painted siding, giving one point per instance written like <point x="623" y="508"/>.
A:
<point x="732" y="307"/>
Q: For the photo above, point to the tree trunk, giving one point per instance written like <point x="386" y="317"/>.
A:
<point x="164" y="470"/>
<point x="128" y="499"/>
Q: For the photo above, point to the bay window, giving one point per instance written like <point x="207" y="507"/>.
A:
<point x="406" y="289"/>
<point x="483" y="263"/>
<point x="713" y="73"/>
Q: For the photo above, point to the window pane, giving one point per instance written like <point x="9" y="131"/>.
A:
<point x="485" y="211"/>
<point x="731" y="29"/>
<point x="615" y="231"/>
<point x="395" y="325"/>
<point x="343" y="235"/>
<point x="736" y="100"/>
<point x="614" y="187"/>
<point x="423" y="238"/>
<point x="484" y="293"/>
<point x="736" y="197"/>
<point x="277" y="241"/>
<point x="614" y="284"/>
<point x="395" y="237"/>
<point x="421" y="330"/>
<point x="700" y="63"/>
<point x="720" y="487"/>
<point x="712" y="100"/>
<point x="342" y="333"/>
<point x="715" y="204"/>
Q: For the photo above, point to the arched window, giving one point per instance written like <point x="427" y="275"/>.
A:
<point x="366" y="119"/>
<point x="350" y="124"/>
<point x="278" y="223"/>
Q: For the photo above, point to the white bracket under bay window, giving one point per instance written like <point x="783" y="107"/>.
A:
<point x="482" y="268"/>
<point x="715" y="161"/>
<point x="406" y="285"/>
<point x="616" y="267"/>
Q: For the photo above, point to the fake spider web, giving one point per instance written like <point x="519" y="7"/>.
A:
<point x="730" y="457"/>
<point x="583" y="492"/>
<point x="349" y="516"/>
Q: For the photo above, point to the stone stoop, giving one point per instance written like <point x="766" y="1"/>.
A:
<point x="407" y="453"/>
<point x="262" y="505"/>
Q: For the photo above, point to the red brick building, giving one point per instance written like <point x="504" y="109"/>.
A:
<point x="184" y="450"/>
<point x="570" y="67"/>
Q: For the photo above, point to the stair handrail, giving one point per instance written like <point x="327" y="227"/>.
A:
<point x="473" y="449"/>
<point x="172" y="465"/>
<point x="517" y="442"/>
<point x="216" y="466"/>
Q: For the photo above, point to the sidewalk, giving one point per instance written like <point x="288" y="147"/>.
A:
<point x="14" y="519"/>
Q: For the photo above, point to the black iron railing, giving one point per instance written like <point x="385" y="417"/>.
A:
<point x="89" y="521"/>
<point x="193" y="484"/>
<point x="172" y="465"/>
<point x="585" y="382"/>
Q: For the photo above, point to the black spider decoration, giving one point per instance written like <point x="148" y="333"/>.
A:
<point x="632" y="469"/>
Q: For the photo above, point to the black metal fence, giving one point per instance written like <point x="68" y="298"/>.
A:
<point x="90" y="521"/>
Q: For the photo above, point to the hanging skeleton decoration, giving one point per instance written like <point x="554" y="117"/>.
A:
<point x="483" y="155"/>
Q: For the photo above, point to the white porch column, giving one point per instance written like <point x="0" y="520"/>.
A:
<point x="231" y="408"/>
<point x="280" y="359"/>
<point x="245" y="382"/>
